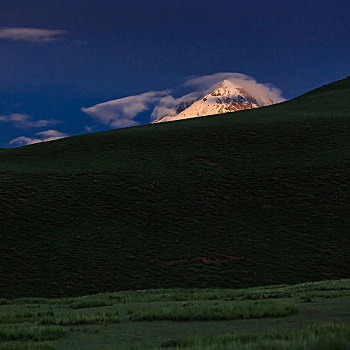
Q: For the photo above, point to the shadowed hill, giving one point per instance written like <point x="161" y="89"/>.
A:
<point x="243" y="199"/>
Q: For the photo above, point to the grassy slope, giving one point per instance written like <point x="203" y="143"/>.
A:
<point x="108" y="211"/>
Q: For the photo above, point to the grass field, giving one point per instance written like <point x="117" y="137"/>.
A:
<point x="317" y="318"/>
<point x="326" y="336"/>
<point x="251" y="198"/>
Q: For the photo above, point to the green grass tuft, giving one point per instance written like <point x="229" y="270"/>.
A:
<point x="31" y="334"/>
<point x="219" y="311"/>
<point x="80" y="319"/>
<point x="90" y="303"/>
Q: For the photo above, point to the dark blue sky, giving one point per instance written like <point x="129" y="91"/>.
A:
<point x="113" y="49"/>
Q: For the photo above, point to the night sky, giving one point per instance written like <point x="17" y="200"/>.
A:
<point x="58" y="56"/>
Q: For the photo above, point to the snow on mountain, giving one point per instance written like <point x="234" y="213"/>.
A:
<point x="226" y="98"/>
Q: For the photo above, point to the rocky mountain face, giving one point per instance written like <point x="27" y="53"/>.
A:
<point x="226" y="98"/>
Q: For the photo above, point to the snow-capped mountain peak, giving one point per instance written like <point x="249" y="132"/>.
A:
<point x="226" y="97"/>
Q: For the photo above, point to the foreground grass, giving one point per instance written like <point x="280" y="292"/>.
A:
<point x="23" y="316"/>
<point x="316" y="337"/>
<point x="49" y="318"/>
<point x="90" y="303"/>
<point x="215" y="311"/>
<point x="236" y="318"/>
<point x="31" y="334"/>
<point x="78" y="319"/>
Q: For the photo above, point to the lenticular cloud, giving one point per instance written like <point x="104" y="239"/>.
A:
<point x="263" y="93"/>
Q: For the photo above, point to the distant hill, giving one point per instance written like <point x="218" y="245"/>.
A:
<point x="248" y="198"/>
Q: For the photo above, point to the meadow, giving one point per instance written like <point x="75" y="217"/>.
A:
<point x="246" y="199"/>
<point x="304" y="316"/>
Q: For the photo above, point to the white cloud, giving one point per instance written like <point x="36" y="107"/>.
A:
<point x="166" y="105"/>
<point x="23" y="140"/>
<point x="121" y="112"/>
<point x="91" y="128"/>
<point x="88" y="128"/>
<point x="25" y="121"/>
<point x="30" y="34"/>
<point x="52" y="133"/>
<point x="43" y="136"/>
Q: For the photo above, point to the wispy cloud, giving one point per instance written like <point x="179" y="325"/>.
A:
<point x="52" y="133"/>
<point x="43" y="136"/>
<point x="26" y="121"/>
<point x="91" y="128"/>
<point x="121" y="112"/>
<point x="30" y="34"/>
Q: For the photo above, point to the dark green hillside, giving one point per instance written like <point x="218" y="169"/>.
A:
<point x="250" y="198"/>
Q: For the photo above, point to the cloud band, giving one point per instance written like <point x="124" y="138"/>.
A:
<point x="30" y="34"/>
